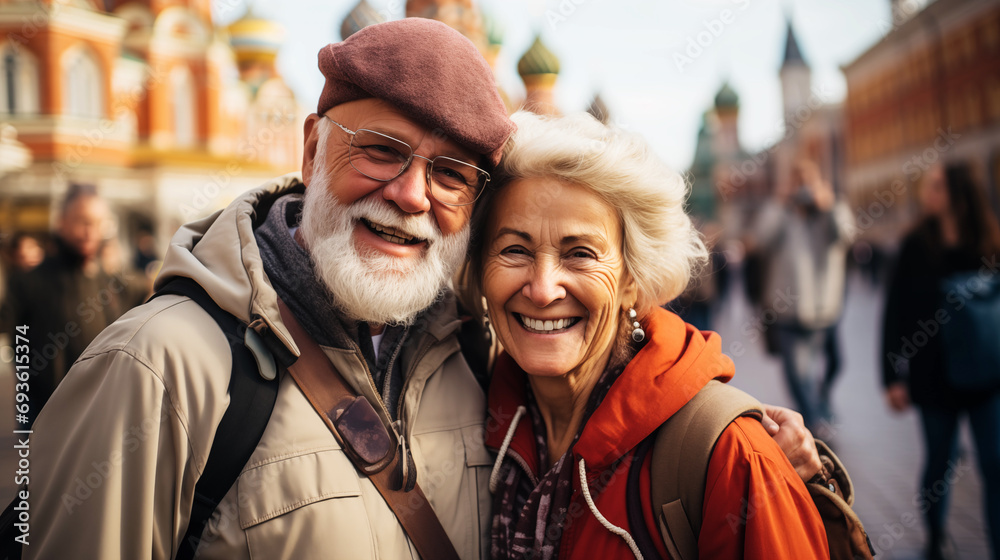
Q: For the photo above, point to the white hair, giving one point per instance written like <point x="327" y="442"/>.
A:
<point x="662" y="249"/>
<point x="372" y="286"/>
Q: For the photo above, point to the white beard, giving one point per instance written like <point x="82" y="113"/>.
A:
<point x="371" y="286"/>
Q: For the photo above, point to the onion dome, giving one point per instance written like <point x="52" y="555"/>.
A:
<point x="494" y="31"/>
<point x="727" y="98"/>
<point x="359" y="18"/>
<point x="538" y="60"/>
<point x="255" y="39"/>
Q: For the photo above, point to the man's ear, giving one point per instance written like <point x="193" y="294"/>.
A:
<point x="311" y="134"/>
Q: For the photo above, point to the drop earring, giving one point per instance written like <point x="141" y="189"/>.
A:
<point x="638" y="335"/>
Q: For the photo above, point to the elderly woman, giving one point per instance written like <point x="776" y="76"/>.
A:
<point x="582" y="240"/>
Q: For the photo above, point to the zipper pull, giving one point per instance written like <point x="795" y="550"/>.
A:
<point x="405" y="474"/>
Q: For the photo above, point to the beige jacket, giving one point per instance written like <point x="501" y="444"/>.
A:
<point x="117" y="452"/>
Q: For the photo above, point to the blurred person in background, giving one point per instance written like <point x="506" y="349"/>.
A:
<point x="805" y="233"/>
<point x="137" y="283"/>
<point x="22" y="253"/>
<point x="145" y="250"/>
<point x="67" y="299"/>
<point x="956" y="233"/>
<point x="25" y="252"/>
<point x="701" y="297"/>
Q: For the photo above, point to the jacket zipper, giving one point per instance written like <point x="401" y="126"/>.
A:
<point x="387" y="384"/>
<point x="418" y="357"/>
<point x="402" y="393"/>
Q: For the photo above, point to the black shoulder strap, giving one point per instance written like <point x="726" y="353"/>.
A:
<point x="634" y="508"/>
<point x="251" y="400"/>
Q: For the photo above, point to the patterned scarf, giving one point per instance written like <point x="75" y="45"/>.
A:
<point x="529" y="516"/>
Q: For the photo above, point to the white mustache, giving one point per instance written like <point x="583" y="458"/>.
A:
<point x="369" y="285"/>
<point x="379" y="212"/>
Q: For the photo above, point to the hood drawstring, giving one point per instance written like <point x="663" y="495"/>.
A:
<point x="495" y="475"/>
<point x="607" y="524"/>
<point x="495" y="479"/>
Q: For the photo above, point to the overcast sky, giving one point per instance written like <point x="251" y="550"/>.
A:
<point x="637" y="53"/>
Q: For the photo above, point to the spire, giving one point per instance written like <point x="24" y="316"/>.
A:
<point x="701" y="201"/>
<point x="704" y="159"/>
<point x="599" y="109"/>
<point x="727" y="98"/>
<point x="793" y="55"/>
<point x="359" y="18"/>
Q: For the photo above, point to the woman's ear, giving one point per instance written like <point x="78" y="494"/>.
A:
<point x="629" y="292"/>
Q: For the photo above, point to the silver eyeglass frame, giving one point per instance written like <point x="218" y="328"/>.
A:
<point x="405" y="166"/>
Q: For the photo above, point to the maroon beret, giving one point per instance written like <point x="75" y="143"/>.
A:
<point x="429" y="71"/>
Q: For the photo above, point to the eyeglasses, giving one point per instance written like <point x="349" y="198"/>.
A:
<point x="383" y="158"/>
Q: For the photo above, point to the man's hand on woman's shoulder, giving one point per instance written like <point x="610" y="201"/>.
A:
<point x="794" y="439"/>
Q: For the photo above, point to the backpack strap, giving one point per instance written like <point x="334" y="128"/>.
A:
<point x="362" y="436"/>
<point x="253" y="390"/>
<point x="679" y="465"/>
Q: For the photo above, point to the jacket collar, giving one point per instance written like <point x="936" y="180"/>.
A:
<point x="220" y="254"/>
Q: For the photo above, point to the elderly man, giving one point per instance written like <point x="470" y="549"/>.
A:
<point x="68" y="299"/>
<point x="360" y="262"/>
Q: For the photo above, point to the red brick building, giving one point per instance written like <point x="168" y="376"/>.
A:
<point x="168" y="115"/>
<point x="928" y="91"/>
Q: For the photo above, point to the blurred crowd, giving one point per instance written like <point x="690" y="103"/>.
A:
<point x="940" y="347"/>
<point x="70" y="285"/>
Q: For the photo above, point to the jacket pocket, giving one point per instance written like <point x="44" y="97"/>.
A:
<point x="297" y="506"/>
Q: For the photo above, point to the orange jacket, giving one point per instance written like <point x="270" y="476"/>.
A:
<point x="755" y="504"/>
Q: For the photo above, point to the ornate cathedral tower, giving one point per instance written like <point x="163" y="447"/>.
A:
<point x="726" y="143"/>
<point x="539" y="69"/>
<point x="359" y="18"/>
<point x="461" y="15"/>
<point x="255" y="43"/>
<point x="796" y="77"/>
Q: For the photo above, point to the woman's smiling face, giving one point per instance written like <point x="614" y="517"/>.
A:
<point x="554" y="278"/>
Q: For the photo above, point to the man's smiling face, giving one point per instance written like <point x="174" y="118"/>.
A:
<point x="385" y="249"/>
<point x="408" y="194"/>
